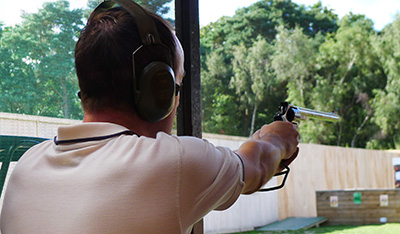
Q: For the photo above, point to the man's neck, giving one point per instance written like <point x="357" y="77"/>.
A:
<point x="128" y="120"/>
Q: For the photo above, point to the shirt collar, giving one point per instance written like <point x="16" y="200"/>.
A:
<point x="89" y="131"/>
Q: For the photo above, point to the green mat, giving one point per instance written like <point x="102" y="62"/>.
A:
<point x="293" y="223"/>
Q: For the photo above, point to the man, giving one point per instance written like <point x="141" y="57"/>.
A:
<point x="121" y="170"/>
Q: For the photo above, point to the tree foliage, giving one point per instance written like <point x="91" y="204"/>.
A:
<point x="37" y="59"/>
<point x="252" y="80"/>
<point x="157" y="6"/>
<point x="236" y="41"/>
<point x="271" y="51"/>
<point x="347" y="73"/>
<point x="38" y="73"/>
<point x="386" y="103"/>
<point x="310" y="59"/>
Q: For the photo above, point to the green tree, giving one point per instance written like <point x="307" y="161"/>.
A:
<point x="17" y="85"/>
<point x="219" y="108"/>
<point x="263" y="17"/>
<point x="253" y="78"/>
<point x="232" y="36"/>
<point x="157" y="6"/>
<point x="293" y="62"/>
<point x="348" y="72"/>
<point x="42" y="63"/>
<point x="386" y="104"/>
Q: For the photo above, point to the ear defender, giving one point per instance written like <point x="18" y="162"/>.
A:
<point x="156" y="97"/>
<point x="154" y="86"/>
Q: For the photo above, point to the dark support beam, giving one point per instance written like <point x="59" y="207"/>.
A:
<point x="189" y="120"/>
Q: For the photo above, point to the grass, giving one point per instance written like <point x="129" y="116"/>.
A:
<point x="389" y="228"/>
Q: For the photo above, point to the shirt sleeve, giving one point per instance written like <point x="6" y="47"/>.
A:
<point x="211" y="178"/>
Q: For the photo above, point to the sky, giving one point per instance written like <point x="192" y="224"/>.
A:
<point x="381" y="12"/>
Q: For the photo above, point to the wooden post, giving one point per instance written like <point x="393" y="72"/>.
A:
<point x="189" y="121"/>
<point x="187" y="28"/>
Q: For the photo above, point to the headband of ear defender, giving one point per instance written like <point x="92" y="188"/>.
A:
<point x="154" y="86"/>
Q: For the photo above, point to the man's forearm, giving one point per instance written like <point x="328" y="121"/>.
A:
<point x="261" y="161"/>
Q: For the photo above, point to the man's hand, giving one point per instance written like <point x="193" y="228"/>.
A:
<point x="283" y="134"/>
<point x="272" y="144"/>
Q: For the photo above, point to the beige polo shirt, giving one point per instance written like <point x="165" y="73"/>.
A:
<point x="97" y="180"/>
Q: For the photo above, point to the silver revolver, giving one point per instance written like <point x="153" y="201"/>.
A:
<point x="295" y="114"/>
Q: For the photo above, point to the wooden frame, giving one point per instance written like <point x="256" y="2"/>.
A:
<point x="189" y="120"/>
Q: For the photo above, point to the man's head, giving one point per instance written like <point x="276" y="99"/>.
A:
<point x="103" y="58"/>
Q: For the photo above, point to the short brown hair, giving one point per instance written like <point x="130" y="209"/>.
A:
<point x="103" y="58"/>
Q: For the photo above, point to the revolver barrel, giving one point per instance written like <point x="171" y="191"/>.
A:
<point x="295" y="114"/>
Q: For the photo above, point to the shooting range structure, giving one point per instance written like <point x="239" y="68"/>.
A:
<point x="359" y="206"/>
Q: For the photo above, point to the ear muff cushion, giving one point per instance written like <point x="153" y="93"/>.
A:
<point x="156" y="86"/>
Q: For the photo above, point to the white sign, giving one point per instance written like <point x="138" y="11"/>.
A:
<point x="384" y="199"/>
<point x="334" y="201"/>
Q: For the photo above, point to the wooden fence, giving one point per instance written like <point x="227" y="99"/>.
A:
<point x="359" y="207"/>
<point x="321" y="167"/>
<point x="29" y="125"/>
